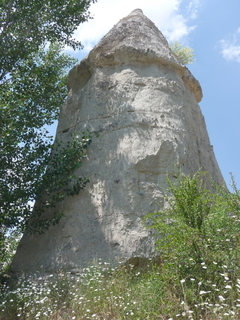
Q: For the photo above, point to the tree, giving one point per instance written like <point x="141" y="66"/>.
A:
<point x="184" y="54"/>
<point x="29" y="100"/>
<point x="27" y="25"/>
<point x="32" y="85"/>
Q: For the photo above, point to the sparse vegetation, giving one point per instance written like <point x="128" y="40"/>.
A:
<point x="199" y="277"/>
<point x="185" y="54"/>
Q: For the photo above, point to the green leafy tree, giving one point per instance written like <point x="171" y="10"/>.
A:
<point x="33" y="88"/>
<point x="27" y="25"/>
<point x="29" y="100"/>
<point x="184" y="54"/>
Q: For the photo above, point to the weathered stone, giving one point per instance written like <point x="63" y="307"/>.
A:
<point x="142" y="101"/>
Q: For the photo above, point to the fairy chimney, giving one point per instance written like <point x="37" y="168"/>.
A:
<point x="143" y="103"/>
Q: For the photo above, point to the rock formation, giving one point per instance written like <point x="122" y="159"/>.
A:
<point x="143" y="102"/>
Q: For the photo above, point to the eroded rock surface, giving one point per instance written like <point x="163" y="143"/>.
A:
<point x="143" y="102"/>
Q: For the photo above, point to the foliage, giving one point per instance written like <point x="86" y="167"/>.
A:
<point x="8" y="245"/>
<point x="199" y="233"/>
<point x="101" y="292"/>
<point x="59" y="181"/>
<point x="29" y="100"/>
<point x="184" y="54"/>
<point x="27" y="25"/>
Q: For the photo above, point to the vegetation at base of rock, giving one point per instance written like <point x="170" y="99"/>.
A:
<point x="105" y="293"/>
<point x="199" y="229"/>
<point x="199" y="277"/>
<point x="185" y="54"/>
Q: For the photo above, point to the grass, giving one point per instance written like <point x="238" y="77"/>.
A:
<point x="103" y="293"/>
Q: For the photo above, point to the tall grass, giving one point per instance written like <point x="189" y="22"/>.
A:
<point x="114" y="294"/>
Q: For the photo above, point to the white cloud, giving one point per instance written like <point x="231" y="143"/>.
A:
<point x="230" y="49"/>
<point x="177" y="28"/>
<point x="193" y="8"/>
<point x="164" y="13"/>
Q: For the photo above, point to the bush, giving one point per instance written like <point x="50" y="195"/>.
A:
<point x="199" y="238"/>
<point x="184" y="54"/>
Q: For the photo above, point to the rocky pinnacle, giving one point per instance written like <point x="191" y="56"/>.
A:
<point x="143" y="103"/>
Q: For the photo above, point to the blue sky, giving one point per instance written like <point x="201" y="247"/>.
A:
<point x="212" y="29"/>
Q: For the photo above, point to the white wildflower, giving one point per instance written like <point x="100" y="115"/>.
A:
<point x="203" y="292"/>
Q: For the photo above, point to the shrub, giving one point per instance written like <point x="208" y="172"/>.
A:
<point x="198" y="235"/>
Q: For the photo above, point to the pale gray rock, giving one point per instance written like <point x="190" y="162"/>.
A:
<point x="133" y="91"/>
